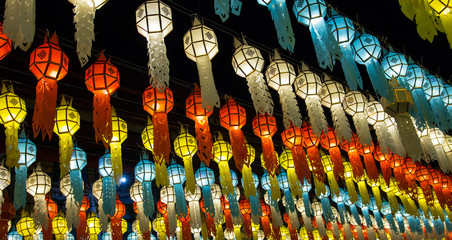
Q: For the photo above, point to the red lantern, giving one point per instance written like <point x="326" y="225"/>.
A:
<point x="245" y="209"/>
<point x="424" y="177"/>
<point x="384" y="163"/>
<point x="233" y="118"/>
<point x="5" y="43"/>
<point x="409" y="170"/>
<point x="437" y="184"/>
<point x="265" y="219"/>
<point x="446" y="190"/>
<point x="49" y="64"/>
<point x="330" y="142"/>
<point x="196" y="112"/>
<point x="185" y="225"/>
<point x="8" y="213"/>
<point x="292" y="138"/>
<point x="159" y="104"/>
<point x="369" y="161"/>
<point x="82" y="230"/>
<point x="102" y="79"/>
<point x="351" y="147"/>
<point x="310" y="142"/>
<point x="264" y="126"/>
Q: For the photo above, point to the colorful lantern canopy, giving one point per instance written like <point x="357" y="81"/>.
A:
<point x="5" y="44"/>
<point x="193" y="199"/>
<point x="119" y="135"/>
<point x="106" y="171"/>
<point x="84" y="12"/>
<point x="222" y="153"/>
<point x="102" y="79"/>
<point x="332" y="95"/>
<point x="154" y="22"/>
<point x="185" y="147"/>
<point x="5" y="181"/>
<point x="433" y="90"/>
<point x="334" y="163"/>
<point x="343" y="31"/>
<point x="272" y="202"/>
<point x="355" y="105"/>
<point x="329" y="170"/>
<point x="27" y="150"/>
<point x="307" y="86"/>
<point x="288" y="199"/>
<point x="145" y="174"/>
<point x="19" y="22"/>
<point x="67" y="123"/>
<point x="159" y="104"/>
<point x="196" y="112"/>
<point x="311" y="13"/>
<point x="26" y="227"/>
<point x="12" y="113"/>
<point x="176" y="179"/>
<point x="168" y="197"/>
<point x="38" y="185"/>
<point x="72" y="207"/>
<point x="310" y="142"/>
<point x="59" y="227"/>
<point x="248" y="62"/>
<point x="49" y="64"/>
<point x="280" y="15"/>
<point x="93" y="226"/>
<point x="76" y="164"/>
<point x="293" y="139"/>
<point x="280" y="76"/>
<point x="286" y="161"/>
<point x="200" y="45"/>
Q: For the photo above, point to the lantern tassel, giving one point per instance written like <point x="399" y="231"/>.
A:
<point x="357" y="164"/>
<point x="362" y="187"/>
<point x="366" y="214"/>
<point x="45" y="107"/>
<point x="336" y="159"/>
<point x="158" y="64"/>
<point x="256" y="209"/>
<point x="333" y="183"/>
<point x="102" y="117"/>
<point x="391" y="222"/>
<point x="378" y="219"/>
<point x="116" y="161"/>
<point x="274" y="185"/>
<point x="342" y="211"/>
<point x="148" y="199"/>
<point x="161" y="174"/>
<point x="442" y="159"/>
<point x="82" y="230"/>
<point x="239" y="151"/>
<point x="248" y="182"/>
<point x="274" y="208"/>
<point x="440" y="114"/>
<point x="72" y="212"/>
<point x="295" y="186"/>
<point x="142" y="218"/>
<point x="270" y="159"/>
<point x="316" y="163"/>
<point x="238" y="233"/>
<point x="384" y="138"/>
<point x="65" y="148"/>
<point x="265" y="222"/>
<point x="19" y="186"/>
<point x="222" y="9"/>
<point x="316" y="115"/>
<point x="77" y="185"/>
<point x="290" y="207"/>
<point x="211" y="225"/>
<point x="84" y="29"/>
<point x="377" y="196"/>
<point x="204" y="139"/>
<point x="326" y="48"/>
<point x="225" y="178"/>
<point x="186" y="230"/>
<point x="307" y="204"/>
<point x="327" y="212"/>
<point x="162" y="146"/>
<point x="40" y="214"/>
<point x="355" y="213"/>
<point x="172" y="219"/>
<point x="195" y="214"/>
<point x="189" y="175"/>
<point x="289" y="105"/>
<point x="208" y="202"/>
<point x="362" y="129"/>
<point x="398" y="145"/>
<point x="319" y="187"/>
<point x="320" y="225"/>
<point x="378" y="79"/>
<point x="386" y="171"/>
<point x="2" y="200"/>
<point x="102" y="216"/>
<point x="19" y="23"/>
<point x="351" y="190"/>
<point x="371" y="168"/>
<point x="341" y="123"/>
<point x="11" y="142"/>
<point x="262" y="100"/>
<point x="181" y="204"/>
<point x="351" y="72"/>
<point x="301" y="164"/>
<point x="308" y="223"/>
<point x="209" y="94"/>
<point x="280" y="15"/>
<point x="407" y="133"/>
<point x="237" y="218"/>
<point x="109" y="195"/>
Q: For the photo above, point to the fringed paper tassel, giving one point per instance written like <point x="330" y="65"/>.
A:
<point x="274" y="208"/>
<point x="348" y="232"/>
<point x="333" y="183"/>
<point x="351" y="72"/>
<point x="209" y="92"/>
<point x="400" y="223"/>
<point x="186" y="231"/>
<point x="116" y="160"/>
<point x="40" y="214"/>
<point x="420" y="101"/>
<point x="19" y="187"/>
<point x="11" y="142"/>
<point x="391" y="222"/>
<point x="248" y="182"/>
<point x="102" y="117"/>
<point x="72" y="212"/>
<point x="355" y="214"/>
<point x="237" y="218"/>
<point x="320" y="187"/>
<point x="162" y="148"/>
<point x="341" y="123"/>
<point x="377" y="196"/>
<point x="142" y="218"/>
<point x="316" y="163"/>
<point x="320" y="225"/>
<point x="84" y="29"/>
<point x="384" y="138"/>
<point x="265" y="222"/>
<point x="65" y="149"/>
<point x="290" y="209"/>
<point x="181" y="204"/>
<point x="362" y="128"/>
<point x="326" y="47"/>
<point x="238" y="232"/>
<point x="189" y="174"/>
<point x="371" y="168"/>
<point x="393" y="130"/>
<point x="109" y="195"/>
<point x="208" y="201"/>
<point x="225" y="178"/>
<point x="295" y="186"/>
<point x="378" y="79"/>
<point x="172" y="219"/>
<point x="301" y="164"/>
<point x="407" y="133"/>
<point x="307" y="204"/>
<point x="336" y="159"/>
<point x="148" y="199"/>
<point x="102" y="216"/>
<point x="158" y="64"/>
<point x="316" y="115"/>
<point x="280" y="15"/>
<point x="45" y="107"/>
<point x="19" y="22"/>
<point x="77" y="185"/>
<point x="327" y="212"/>
<point x="351" y="190"/>
<point x="82" y="230"/>
<point x="239" y="150"/>
<point x="289" y="105"/>
<point x="356" y="164"/>
<point x="262" y="100"/>
<point x="204" y="139"/>
<point x="275" y="192"/>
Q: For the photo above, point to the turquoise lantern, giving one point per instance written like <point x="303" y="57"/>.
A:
<point x="340" y="201"/>
<point x="76" y="165"/>
<point x="326" y="205"/>
<point x="284" y="184"/>
<point x="365" y="210"/>
<point x="273" y="203"/>
<point x="374" y="207"/>
<point x="27" y="150"/>
<point x="132" y="236"/>
<point x="433" y="90"/>
<point x="176" y="174"/>
<point x="145" y="174"/>
<point x="353" y="208"/>
<point x="108" y="184"/>
<point x="205" y="177"/>
<point x="386" y="211"/>
<point x="394" y="64"/>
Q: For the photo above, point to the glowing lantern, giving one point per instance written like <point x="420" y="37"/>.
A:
<point x="93" y="226"/>
<point x="442" y="9"/>
<point x="287" y="162"/>
<point x="264" y="126"/>
<point x="344" y="31"/>
<point x="310" y="142"/>
<point x="82" y="230"/>
<point x="49" y="64"/>
<point x="5" y="44"/>
<point x="222" y="153"/>
<point x="376" y="116"/>
<point x="72" y="207"/>
<point x="38" y="185"/>
<point x="177" y="179"/>
<point x="311" y="13"/>
<point x="102" y="79"/>
<point x="185" y="147"/>
<point x="394" y="64"/>
<point x="12" y="113"/>
<point x="14" y="235"/>
<point x="59" y="227"/>
<point x="116" y="220"/>
<point x="265" y="219"/>
<point x="76" y="165"/>
<point x="348" y="177"/>
<point x="292" y="138"/>
<point x="351" y="147"/>
<point x="145" y="174"/>
<point x="205" y="177"/>
<point x="159" y="104"/>
<point x="438" y="138"/>
<point x="168" y="197"/>
<point x="26" y="227"/>
<point x="355" y="104"/>
<point x="248" y="182"/>
<point x="136" y="194"/>
<point x="433" y="90"/>
<point x="280" y="76"/>
<point x="245" y="209"/>
<point x="329" y="170"/>
<point x="27" y="150"/>
<point x="284" y="184"/>
<point x="108" y="183"/>
<point x="330" y="142"/>
<point x="119" y="135"/>
<point x="272" y="202"/>
<point x="369" y="162"/>
<point x="159" y="227"/>
<point x="5" y="181"/>
<point x="317" y="212"/>
<point x="195" y="213"/>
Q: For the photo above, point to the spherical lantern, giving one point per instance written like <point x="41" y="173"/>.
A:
<point x="355" y="105"/>
<point x="119" y="135"/>
<point x="26" y="227"/>
<point x="38" y="185"/>
<point x="5" y="180"/>
<point x="59" y="227"/>
<point x="222" y="153"/>
<point x="5" y="44"/>
<point x="185" y="147"/>
<point x="144" y="174"/>
<point x="433" y="90"/>
<point x="106" y="171"/>
<point x="93" y="227"/>
<point x="205" y="177"/>
<point x="394" y="65"/>
<point x="159" y="226"/>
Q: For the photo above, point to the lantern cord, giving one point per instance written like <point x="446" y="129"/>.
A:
<point x="351" y="72"/>
<point x="237" y="218"/>
<point x="316" y="163"/>
<point x="351" y="190"/>
<point x="336" y="159"/>
<point x="262" y="100"/>
<point x="239" y="150"/>
<point x="208" y="202"/>
<point x="340" y="122"/>
<point x="19" y="22"/>
<point x="256" y="209"/>
<point x="148" y="199"/>
<point x="209" y="94"/>
<point x="397" y="148"/>
<point x="11" y="142"/>
<point x="172" y="219"/>
<point x="316" y="115"/>
<point x="326" y="47"/>
<point x="407" y="133"/>
<point x="320" y="225"/>
<point x="19" y="186"/>
<point x="189" y="175"/>
<point x="181" y="204"/>
<point x="116" y="160"/>
<point x="77" y="185"/>
<point x="158" y="65"/>
<point x="280" y="15"/>
<point x="204" y="139"/>
<point x="362" y="128"/>
<point x="102" y="216"/>
<point x="45" y="107"/>
<point x="225" y="178"/>
<point x="102" y="117"/>
<point x="222" y="9"/>
<point x="84" y="29"/>
<point x="301" y="164"/>
<point x="65" y="149"/>
<point x="371" y="168"/>
<point x="378" y="79"/>
<point x="72" y="212"/>
<point x="40" y="214"/>
<point x="109" y="195"/>
<point x="142" y="218"/>
<point x="248" y="182"/>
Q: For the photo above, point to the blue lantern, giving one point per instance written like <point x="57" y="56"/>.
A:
<point x="76" y="165"/>
<point x="281" y="19"/>
<point x="374" y="207"/>
<point x="176" y="174"/>
<point x="145" y="174"/>
<point x="433" y="90"/>
<point x="340" y="201"/>
<point x="386" y="211"/>
<point x="222" y="8"/>
<point x="232" y="199"/>
<point x="108" y="184"/>
<point x="353" y="209"/>
<point x="399" y="219"/>
<point x="27" y="150"/>
<point x="394" y="65"/>
<point x="132" y="236"/>
<point x="367" y="51"/>
<point x="14" y="235"/>
<point x="205" y="177"/>
<point x="325" y="201"/>
<point x="273" y="203"/>
<point x="365" y="210"/>
<point x="256" y="210"/>
<point x="344" y="32"/>
<point x="306" y="187"/>
<point x="446" y="95"/>
<point x="284" y="184"/>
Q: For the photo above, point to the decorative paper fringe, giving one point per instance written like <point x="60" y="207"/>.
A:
<point x="359" y="230"/>
<point x="320" y="188"/>
<point x="398" y="147"/>
<point x="289" y="105"/>
<point x="238" y="233"/>
<point x="270" y="159"/>
<point x="40" y="214"/>
<point x="316" y="163"/>
<point x="393" y="202"/>
<point x="208" y="202"/>
<point x="295" y="186"/>
<point x="186" y="231"/>
<point x="357" y="165"/>
<point x="409" y="137"/>
<point x="371" y="168"/>
<point x="351" y="72"/>
<point x="204" y="139"/>
<point x="116" y="232"/>
<point x="162" y="144"/>
<point x="209" y="94"/>
<point x="275" y="192"/>
<point x="19" y="187"/>
<point x="225" y="178"/>
<point x="84" y="29"/>
<point x="172" y="219"/>
<point x="281" y="19"/>
<point x="341" y="123"/>
<point x="161" y="174"/>
<point x="248" y="182"/>
<point x="77" y="185"/>
<point x="446" y="21"/>
<point x="316" y="115"/>
<point x="227" y="220"/>
<point x="102" y="117"/>
<point x="422" y="105"/>
<point x="116" y="161"/>
<point x="377" y="196"/>
<point x="384" y="138"/>
<point x="365" y="211"/>
<point x="65" y="148"/>
<point x="442" y="159"/>
<point x="148" y="199"/>
<point x="158" y="64"/>
<point x="109" y="195"/>
<point x="82" y="230"/>
<point x="222" y="9"/>
<point x="45" y="107"/>
<point x="319" y="37"/>
<point x="336" y="159"/>
<point x="265" y="222"/>
<point x="342" y="212"/>
<point x="320" y="226"/>
<point x="351" y="190"/>
<point x="386" y="171"/>
<point x="378" y="219"/>
<point x="301" y="165"/>
<point x="262" y="100"/>
<point x="102" y="216"/>
<point x="190" y="183"/>
<point x="355" y="213"/>
<point x="219" y="217"/>
<point x="142" y="218"/>
<point x="247" y="225"/>
<point x="11" y="142"/>
<point x="333" y="183"/>
<point x="307" y="223"/>
<point x="239" y="150"/>
<point x="19" y="22"/>
<point x="327" y="212"/>
<point x="195" y="214"/>
<point x="378" y="79"/>
<point x="276" y="215"/>
<point x="72" y="212"/>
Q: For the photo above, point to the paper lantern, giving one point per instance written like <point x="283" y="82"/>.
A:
<point x="117" y="223"/>
<point x="272" y="202"/>
<point x="193" y="203"/>
<point x="26" y="227"/>
<point x="119" y="135"/>
<point x="390" y="190"/>
<point x="330" y="142"/>
<point x="176" y="179"/>
<point x="376" y="116"/>
<point x="27" y="150"/>
<point x="14" y="235"/>
<point x="280" y="76"/>
<point x="310" y="142"/>
<point x="245" y="209"/>
<point x="106" y="170"/>
<point x="154" y="22"/>
<point x="394" y="64"/>
<point x="205" y="177"/>
<point x="102" y="79"/>
<point x="59" y="227"/>
<point x="93" y="227"/>
<point x="332" y="94"/>
<point x="329" y="170"/>
<point x="97" y="190"/>
<point x="82" y="230"/>
<point x="38" y="185"/>
<point x="369" y="161"/>
<point x="222" y="153"/>
<point x="437" y="137"/>
<point x="318" y="211"/>
<point x="132" y="236"/>
<point x="72" y="206"/>
<point x="168" y="197"/>
<point x="5" y="44"/>
<point x="145" y="174"/>
<point x="76" y="164"/>
<point x="159" y="104"/>
<point x="5" y="181"/>
<point x="343" y="32"/>
<point x="12" y="113"/>
<point x="284" y="184"/>
<point x="159" y="227"/>
<point x="355" y="104"/>
<point x="433" y="90"/>
<point x="287" y="162"/>
<point x="185" y="147"/>
<point x="280" y="15"/>
<point x="19" y="23"/>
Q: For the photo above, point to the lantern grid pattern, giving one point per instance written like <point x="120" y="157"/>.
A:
<point x="154" y="17"/>
<point x="147" y="136"/>
<point x="27" y="151"/>
<point x="102" y="76"/>
<point x="26" y="227"/>
<point x="48" y="61"/>
<point x="415" y="77"/>
<point x="200" y="41"/>
<point x="439" y="6"/>
<point x="247" y="60"/>
<point x="343" y="29"/>
<point x="136" y="192"/>
<point x="309" y="10"/>
<point x="5" y="178"/>
<point x="354" y="102"/>
<point x="222" y="151"/>
<point x="12" y="108"/>
<point x="375" y="112"/>
<point x="394" y="65"/>
<point x="6" y="44"/>
<point x="185" y="145"/>
<point x="67" y="119"/>
<point x="279" y="74"/>
<point x="434" y="87"/>
<point x="38" y="183"/>
<point x="155" y="101"/>
<point x="168" y="195"/>
<point x="144" y="171"/>
<point x="195" y="196"/>
<point x="176" y="173"/>
<point x="232" y="115"/>
<point x="264" y="125"/>
<point x="97" y="189"/>
<point x="307" y="83"/>
<point x="331" y="93"/>
<point x="118" y="129"/>
<point x="14" y="235"/>
<point x="105" y="167"/>
<point x="78" y="159"/>
<point x="204" y="176"/>
<point x="65" y="185"/>
<point x="94" y="227"/>
<point x="366" y="47"/>
<point x="59" y="225"/>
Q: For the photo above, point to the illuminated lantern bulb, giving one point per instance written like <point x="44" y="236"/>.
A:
<point x="332" y="95"/>
<point x="376" y="116"/>
<point x="12" y="113"/>
<point x="154" y="22"/>
<point x="145" y="174"/>
<point x="67" y="123"/>
<point x="38" y="185"/>
<point x="222" y="153"/>
<point x="437" y="137"/>
<point x="318" y="211"/>
<point x="59" y="227"/>
<point x="5" y="44"/>
<point x="200" y="44"/>
<point x="433" y="90"/>
<point x="106" y="171"/>
<point x="442" y="9"/>
<point x="93" y="227"/>
<point x="26" y="227"/>
<point x="185" y="147"/>
<point x="355" y="104"/>
<point x="76" y="165"/>
<point x="280" y="76"/>
<point x="307" y="86"/>
<point x="168" y="196"/>
<point x="394" y="64"/>
<point x="247" y="62"/>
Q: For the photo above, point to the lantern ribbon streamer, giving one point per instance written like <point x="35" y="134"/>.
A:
<point x="294" y="183"/>
<point x="362" y="128"/>
<point x="82" y="230"/>
<point x="116" y="160"/>
<point x="142" y="218"/>
<point x="209" y="92"/>
<point x="204" y="139"/>
<point x="11" y="142"/>
<point x="326" y="48"/>
<point x="148" y="199"/>
<point x="407" y="133"/>
<point x="446" y="21"/>
<point x="158" y="64"/>
<point x="65" y="149"/>
<point x="40" y="214"/>
<point x="378" y="79"/>
<point x="181" y="205"/>
<point x="395" y="135"/>
<point x="384" y="137"/>
<point x="239" y="150"/>
<point x="102" y="117"/>
<point x="225" y="178"/>
<point x="327" y="212"/>
<point x="351" y="190"/>
<point x="109" y="195"/>
<point x="19" y="186"/>
<point x="208" y="201"/>
<point x="19" y="22"/>
<point x="290" y="208"/>
<point x="424" y="111"/>
<point x="195" y="214"/>
<point x="189" y="174"/>
<point x="274" y="209"/>
<point x="84" y="28"/>
<point x="371" y="168"/>
<point x="77" y="185"/>
<point x="338" y="165"/>
<point x="441" y="115"/>
<point x="45" y="107"/>
<point x="256" y="209"/>
<point x="307" y="204"/>
<point x="316" y="115"/>
<point x="280" y="15"/>
<point x="248" y="182"/>
<point x="262" y="100"/>
<point x="72" y="212"/>
<point x="316" y="163"/>
<point x="237" y="218"/>
<point x="301" y="164"/>
<point x="162" y="147"/>
<point x="222" y="9"/>
<point x="289" y="105"/>
<point x="102" y="216"/>
<point x="341" y="123"/>
<point x="351" y="72"/>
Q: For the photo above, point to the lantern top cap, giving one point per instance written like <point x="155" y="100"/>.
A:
<point x="237" y="43"/>
<point x="7" y="87"/>
<point x="304" y="66"/>
<point x="53" y="39"/>
<point x="276" y="55"/>
<point x="196" y="21"/>
<point x="102" y="57"/>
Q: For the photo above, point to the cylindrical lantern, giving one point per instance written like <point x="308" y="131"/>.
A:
<point x="106" y="171"/>
<point x="185" y="147"/>
<point x="27" y="150"/>
<point x="76" y="164"/>
<point x="119" y="135"/>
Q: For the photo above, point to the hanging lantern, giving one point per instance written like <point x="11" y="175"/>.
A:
<point x="176" y="179"/>
<point x="67" y="123"/>
<point x="284" y="184"/>
<point x="248" y="62"/>
<point x="376" y="117"/>
<point x="159" y="227"/>
<point x="265" y="219"/>
<point x="159" y="104"/>
<point x="117" y="221"/>
<point x="437" y="138"/>
<point x="97" y="193"/>
<point x="119" y="135"/>
<point x="355" y="104"/>
<point x="310" y="142"/>
<point x="332" y="94"/>
<point x="27" y="150"/>
<point x="102" y="79"/>
<point x="351" y="147"/>
<point x="195" y="213"/>
<point x="272" y="202"/>
<point x="12" y="113"/>
<point x="442" y="10"/>
<point x="19" y="22"/>
<point x="369" y="162"/>
<point x="154" y="22"/>
<point x="38" y="185"/>
<point x="205" y="177"/>
<point x="394" y="64"/>
<point x="59" y="227"/>
<point x="5" y="44"/>
<point x="330" y="142"/>
<point x="72" y="207"/>
<point x="26" y="227"/>
<point x="329" y="170"/>
<point x="82" y="230"/>
<point x="433" y="90"/>
<point x="5" y="181"/>
<point x="76" y="164"/>
<point x="280" y="76"/>
<point x="108" y="183"/>
<point x="93" y="226"/>
<point x="393" y="130"/>
<point x="185" y="147"/>
<point x="168" y="197"/>
<point x="248" y="181"/>
<point x="344" y="31"/>
<point x="222" y="153"/>
<point x="245" y="209"/>
<point x="49" y="64"/>
<point x="286" y="161"/>
<point x="200" y="44"/>
<point x="136" y="194"/>
<point x="348" y="177"/>
<point x="292" y="138"/>
<point x="317" y="212"/>
<point x="145" y="174"/>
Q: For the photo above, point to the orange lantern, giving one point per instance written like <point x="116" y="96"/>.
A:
<point x="265" y="219"/>
<point x="120" y="211"/>
<point x="195" y="111"/>
<point x="437" y="184"/>
<point x="159" y="104"/>
<point x="423" y="176"/>
<point x="330" y="142"/>
<point x="49" y="64"/>
<point x="227" y="214"/>
<point x="369" y="162"/>
<point x="233" y="118"/>
<point x="102" y="79"/>
<point x="82" y="230"/>
<point x="292" y="138"/>
<point x="446" y="189"/>
<point x="310" y="142"/>
<point x="396" y="163"/>
<point x="185" y="225"/>
<point x="245" y="209"/>
<point x="409" y="169"/>
<point x="5" y="43"/>
<point x="351" y="147"/>
<point x="384" y="163"/>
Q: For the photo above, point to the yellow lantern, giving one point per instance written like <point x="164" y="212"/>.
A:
<point x="185" y="147"/>
<point x="119" y="135"/>
<point x="12" y="113"/>
<point x="375" y="185"/>
<point x="222" y="152"/>
<point x="275" y="191"/>
<point x="247" y="176"/>
<point x="26" y="227"/>
<point x="59" y="227"/>
<point x="67" y="122"/>
<point x="348" y="177"/>
<point x="93" y="227"/>
<point x="286" y="162"/>
<point x="328" y="168"/>
<point x="389" y="189"/>
<point x="159" y="227"/>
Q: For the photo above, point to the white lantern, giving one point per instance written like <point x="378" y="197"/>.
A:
<point x="5" y="180"/>
<point x="97" y="193"/>
<point x="168" y="196"/>
<point x="72" y="207"/>
<point x="376" y="116"/>
<point x="437" y="137"/>
<point x="38" y="185"/>
<point x="195" y="210"/>
<point x="355" y="104"/>
<point x="318" y="211"/>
